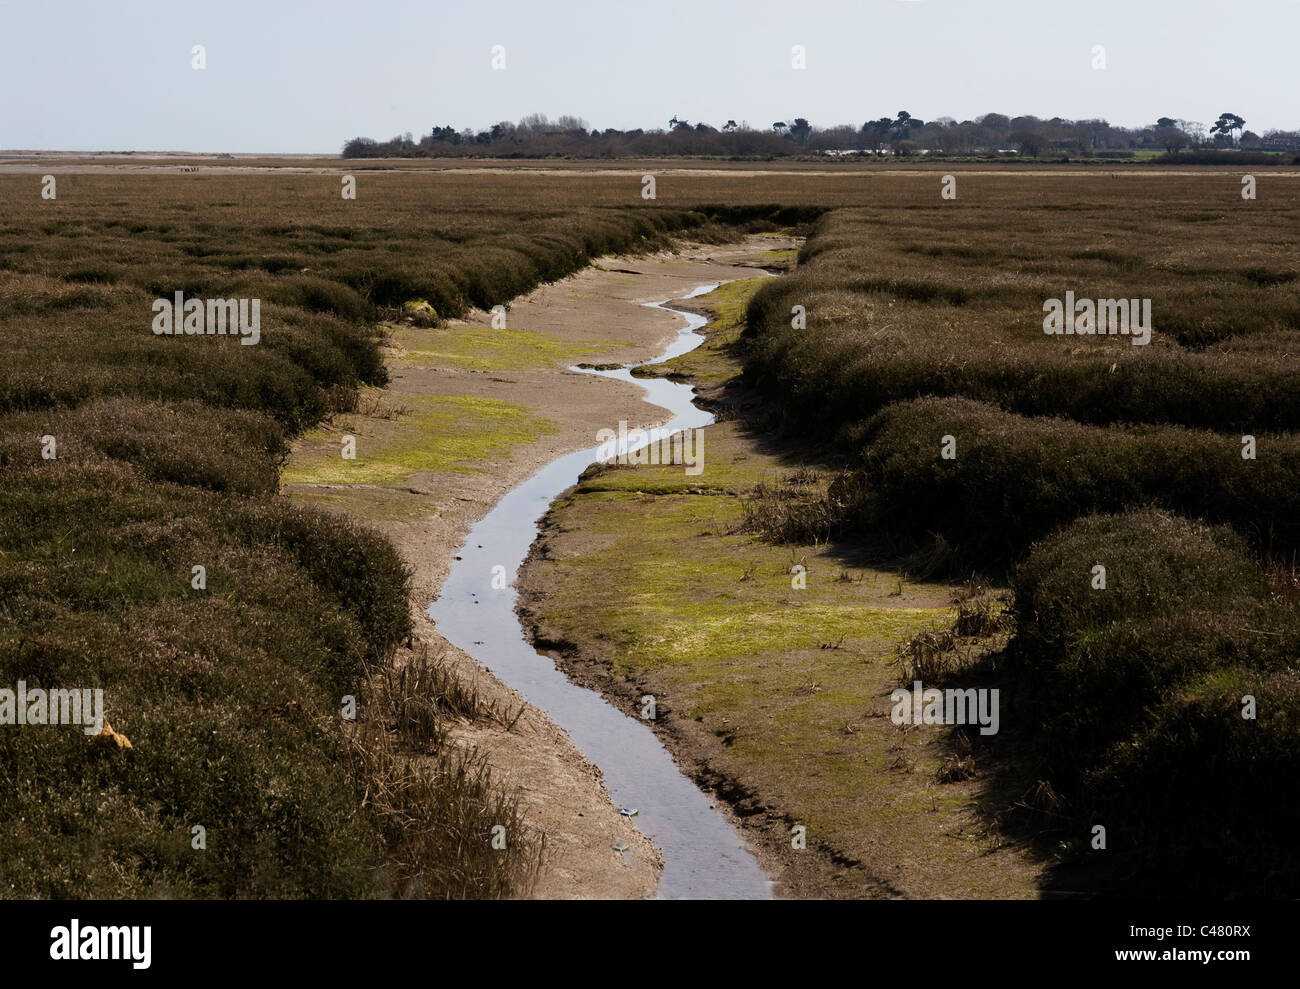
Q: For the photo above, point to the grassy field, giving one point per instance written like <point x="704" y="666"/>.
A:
<point x="924" y="320"/>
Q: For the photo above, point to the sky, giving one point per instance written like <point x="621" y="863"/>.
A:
<point x="288" y="76"/>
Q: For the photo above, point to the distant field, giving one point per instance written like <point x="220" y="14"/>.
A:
<point x="1056" y="163"/>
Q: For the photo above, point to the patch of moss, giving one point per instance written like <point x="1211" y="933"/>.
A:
<point x="782" y="259"/>
<point x="443" y="433"/>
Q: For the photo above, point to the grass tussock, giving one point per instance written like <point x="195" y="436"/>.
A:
<point x="1043" y="472"/>
<point x="1139" y="693"/>
<point x="791" y="512"/>
<point x="452" y="833"/>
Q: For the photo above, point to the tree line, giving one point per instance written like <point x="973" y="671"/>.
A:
<point x="901" y="134"/>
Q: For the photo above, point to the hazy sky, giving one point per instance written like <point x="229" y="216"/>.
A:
<point x="299" y="76"/>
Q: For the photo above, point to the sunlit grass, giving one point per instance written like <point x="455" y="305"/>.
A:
<point x="444" y="433"/>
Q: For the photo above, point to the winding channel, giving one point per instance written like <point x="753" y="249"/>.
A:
<point x="703" y="856"/>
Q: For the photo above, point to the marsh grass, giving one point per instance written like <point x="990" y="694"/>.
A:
<point x="925" y="322"/>
<point x="1138" y="694"/>
<point x="169" y="451"/>
<point x="437" y="817"/>
<point x="796" y="513"/>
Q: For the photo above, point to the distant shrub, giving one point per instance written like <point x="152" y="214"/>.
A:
<point x="322" y="296"/>
<point x="1208" y="157"/>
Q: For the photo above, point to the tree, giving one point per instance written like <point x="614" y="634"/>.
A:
<point x="876" y="132"/>
<point x="360" y="147"/>
<point x="800" y="130"/>
<point x="1193" y="129"/>
<point x="779" y="127"/>
<point x="1173" y="139"/>
<point x="1281" y="140"/>
<point x="729" y="126"/>
<point x="533" y="125"/>
<point x="1166" y="122"/>
<point x="1226" y="124"/>
<point x="1030" y="143"/>
<point x="904" y="124"/>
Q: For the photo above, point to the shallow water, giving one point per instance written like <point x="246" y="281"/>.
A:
<point x="703" y="856"/>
